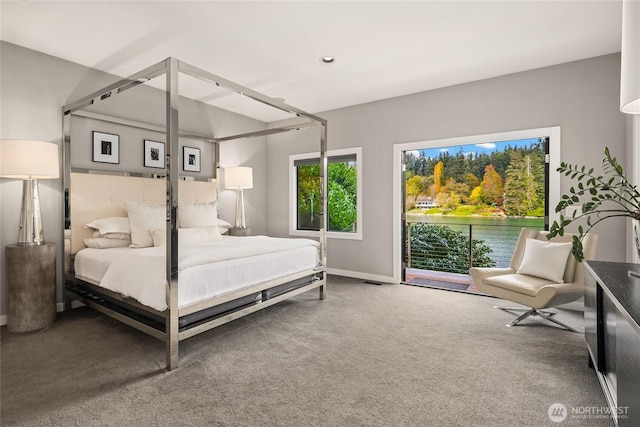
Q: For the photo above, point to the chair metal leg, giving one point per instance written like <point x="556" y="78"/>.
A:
<point x="557" y="322"/>
<point x="534" y="312"/>
<point x="524" y="309"/>
<point x="527" y="313"/>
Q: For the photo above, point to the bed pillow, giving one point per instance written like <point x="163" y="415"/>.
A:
<point x="546" y="260"/>
<point x="186" y="235"/>
<point x="118" y="236"/>
<point x="104" y="243"/>
<point x="194" y="215"/>
<point x="142" y="218"/>
<point x="111" y="225"/>
<point x="223" y="226"/>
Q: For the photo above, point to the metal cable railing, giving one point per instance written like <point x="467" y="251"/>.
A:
<point x="456" y="247"/>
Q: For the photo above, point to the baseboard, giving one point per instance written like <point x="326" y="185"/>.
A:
<point x="360" y="275"/>
<point x="3" y="320"/>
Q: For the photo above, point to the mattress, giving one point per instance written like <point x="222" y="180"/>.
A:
<point x="205" y="270"/>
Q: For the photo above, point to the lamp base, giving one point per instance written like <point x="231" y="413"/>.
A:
<point x="240" y="219"/>
<point x="240" y="232"/>
<point x="31" y="232"/>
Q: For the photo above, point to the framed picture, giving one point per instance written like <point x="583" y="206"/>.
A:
<point x="191" y="159"/>
<point x="153" y="154"/>
<point x="106" y="147"/>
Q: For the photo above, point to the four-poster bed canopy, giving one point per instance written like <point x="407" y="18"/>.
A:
<point x="85" y="202"/>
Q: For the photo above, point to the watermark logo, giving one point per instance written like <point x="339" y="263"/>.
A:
<point x="557" y="412"/>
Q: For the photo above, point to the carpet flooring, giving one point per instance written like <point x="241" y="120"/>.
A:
<point x="389" y="355"/>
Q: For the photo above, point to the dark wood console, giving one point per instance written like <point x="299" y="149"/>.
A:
<point x="612" y="331"/>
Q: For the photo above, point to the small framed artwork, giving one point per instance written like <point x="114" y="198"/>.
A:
<point x="153" y="154"/>
<point x="106" y="147"/>
<point x="191" y="159"/>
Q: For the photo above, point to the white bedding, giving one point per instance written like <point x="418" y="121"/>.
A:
<point x="206" y="269"/>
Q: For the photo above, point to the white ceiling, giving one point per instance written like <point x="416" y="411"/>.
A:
<point x="383" y="49"/>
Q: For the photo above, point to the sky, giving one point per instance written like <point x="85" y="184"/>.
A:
<point x="475" y="148"/>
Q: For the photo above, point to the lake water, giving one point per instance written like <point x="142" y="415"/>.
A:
<point x="499" y="233"/>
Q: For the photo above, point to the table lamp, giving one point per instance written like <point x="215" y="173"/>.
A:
<point x="29" y="161"/>
<point x="630" y="58"/>
<point x="239" y="178"/>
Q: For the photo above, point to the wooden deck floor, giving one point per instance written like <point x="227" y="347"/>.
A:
<point x="413" y="273"/>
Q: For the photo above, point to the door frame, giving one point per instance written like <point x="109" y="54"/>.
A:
<point x="553" y="133"/>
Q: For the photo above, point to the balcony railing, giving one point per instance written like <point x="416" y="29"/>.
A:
<point x="455" y="247"/>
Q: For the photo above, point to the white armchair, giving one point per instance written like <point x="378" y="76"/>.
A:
<point x="542" y="274"/>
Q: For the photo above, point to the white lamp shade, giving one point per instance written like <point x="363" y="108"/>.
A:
<point x="630" y="63"/>
<point x="23" y="159"/>
<point x="238" y="177"/>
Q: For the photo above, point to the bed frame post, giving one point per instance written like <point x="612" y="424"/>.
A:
<point x="324" y="186"/>
<point x="173" y="167"/>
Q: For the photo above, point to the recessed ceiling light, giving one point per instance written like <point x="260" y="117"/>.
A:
<point x="327" y="59"/>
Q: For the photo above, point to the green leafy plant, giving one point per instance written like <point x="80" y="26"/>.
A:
<point x="604" y="196"/>
<point x="440" y="248"/>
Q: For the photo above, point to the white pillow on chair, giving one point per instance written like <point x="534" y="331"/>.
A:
<point x="547" y="260"/>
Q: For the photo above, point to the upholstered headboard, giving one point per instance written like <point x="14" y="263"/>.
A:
<point x="95" y="196"/>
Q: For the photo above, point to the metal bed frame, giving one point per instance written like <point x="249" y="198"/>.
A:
<point x="174" y="324"/>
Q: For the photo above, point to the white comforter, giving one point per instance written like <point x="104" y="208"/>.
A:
<point x="141" y="274"/>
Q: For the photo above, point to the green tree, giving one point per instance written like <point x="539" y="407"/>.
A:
<point x="462" y="189"/>
<point x="448" y="200"/>
<point x="471" y="180"/>
<point x="308" y="197"/>
<point x="476" y="195"/>
<point x="521" y="187"/>
<point x="415" y="185"/>
<point x="492" y="187"/>
<point x="342" y="196"/>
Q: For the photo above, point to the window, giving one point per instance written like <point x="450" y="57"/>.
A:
<point x="344" y="196"/>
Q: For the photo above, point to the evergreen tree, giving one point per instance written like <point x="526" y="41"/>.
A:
<point x="521" y="188"/>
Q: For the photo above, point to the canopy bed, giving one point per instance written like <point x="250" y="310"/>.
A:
<point x="147" y="248"/>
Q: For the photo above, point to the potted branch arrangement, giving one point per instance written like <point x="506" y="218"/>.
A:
<point x="604" y="196"/>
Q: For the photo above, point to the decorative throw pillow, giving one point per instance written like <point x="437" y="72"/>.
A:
<point x="142" y="218"/>
<point x="111" y="225"/>
<point x="159" y="236"/>
<point x="546" y="260"/>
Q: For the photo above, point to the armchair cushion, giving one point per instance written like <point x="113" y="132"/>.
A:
<point x="520" y="283"/>
<point x="545" y="260"/>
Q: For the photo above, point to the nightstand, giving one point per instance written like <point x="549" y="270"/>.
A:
<point x="240" y="231"/>
<point x="31" y="276"/>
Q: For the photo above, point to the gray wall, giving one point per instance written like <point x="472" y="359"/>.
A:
<point x="34" y="88"/>
<point x="582" y="97"/>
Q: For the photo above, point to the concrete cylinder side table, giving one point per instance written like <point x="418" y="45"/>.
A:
<point x="31" y="275"/>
